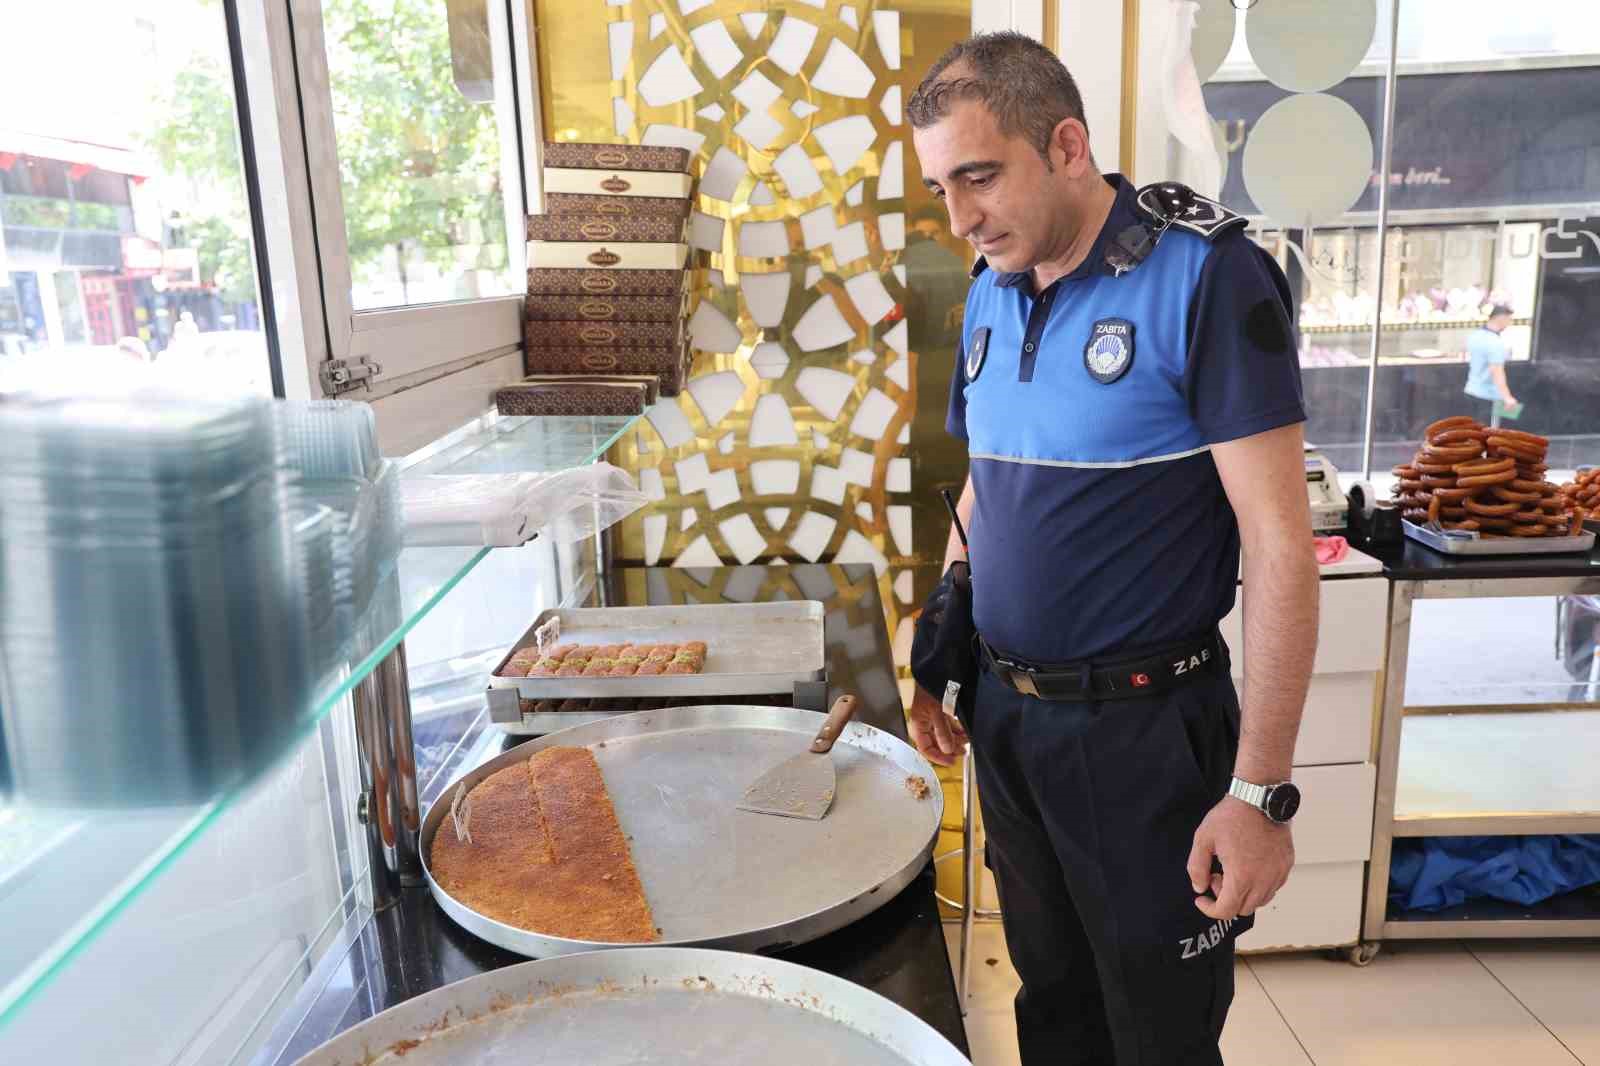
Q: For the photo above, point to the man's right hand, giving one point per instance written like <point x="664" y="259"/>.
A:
<point x="937" y="735"/>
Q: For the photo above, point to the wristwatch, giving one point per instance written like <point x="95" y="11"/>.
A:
<point x="1278" y="802"/>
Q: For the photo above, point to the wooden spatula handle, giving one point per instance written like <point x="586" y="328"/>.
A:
<point x="844" y="708"/>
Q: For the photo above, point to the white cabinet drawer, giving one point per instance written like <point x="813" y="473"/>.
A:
<point x="1337" y="726"/>
<point x="1354" y="623"/>
<point x="1335" y="819"/>
<point x="1320" y="907"/>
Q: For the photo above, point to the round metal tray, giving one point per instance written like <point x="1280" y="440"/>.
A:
<point x="720" y="877"/>
<point x="677" y="1005"/>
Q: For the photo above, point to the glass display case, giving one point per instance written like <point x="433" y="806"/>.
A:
<point x="209" y="916"/>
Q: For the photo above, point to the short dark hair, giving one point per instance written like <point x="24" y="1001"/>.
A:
<point x="1500" y="309"/>
<point x="1022" y="83"/>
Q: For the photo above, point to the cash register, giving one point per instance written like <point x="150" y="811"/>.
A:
<point x="1330" y="509"/>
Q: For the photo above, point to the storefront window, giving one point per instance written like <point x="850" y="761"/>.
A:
<point x="1492" y="182"/>
<point x="1298" y="121"/>
<point x="1493" y="177"/>
<point x="420" y="150"/>
<point x="124" y="225"/>
<point x="1509" y="153"/>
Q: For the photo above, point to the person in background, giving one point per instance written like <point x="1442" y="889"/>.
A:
<point x="1487" y="352"/>
<point x="186" y="330"/>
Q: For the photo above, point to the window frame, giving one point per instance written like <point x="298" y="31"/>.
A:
<point x="305" y="251"/>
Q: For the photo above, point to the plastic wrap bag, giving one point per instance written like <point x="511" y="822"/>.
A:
<point x="503" y="510"/>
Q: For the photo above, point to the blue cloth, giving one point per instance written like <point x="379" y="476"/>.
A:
<point x="1101" y="523"/>
<point x="1433" y="873"/>
<point x="1485" y="348"/>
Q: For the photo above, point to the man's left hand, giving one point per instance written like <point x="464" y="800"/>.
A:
<point x="1256" y="854"/>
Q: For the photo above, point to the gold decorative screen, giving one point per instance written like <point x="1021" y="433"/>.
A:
<point x="829" y="290"/>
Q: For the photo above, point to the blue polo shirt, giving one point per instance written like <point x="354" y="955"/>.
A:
<point x="1089" y="411"/>
<point x="1485" y="349"/>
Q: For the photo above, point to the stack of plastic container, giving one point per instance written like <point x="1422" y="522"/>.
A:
<point x="326" y="628"/>
<point x="177" y="575"/>
<point x="331" y="446"/>
<point x="156" y="606"/>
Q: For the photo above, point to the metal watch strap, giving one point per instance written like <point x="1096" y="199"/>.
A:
<point x="1255" y="795"/>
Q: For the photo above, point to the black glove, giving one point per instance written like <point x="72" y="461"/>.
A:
<point x="944" y="647"/>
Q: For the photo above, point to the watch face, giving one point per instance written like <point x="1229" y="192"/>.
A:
<point x="1283" y="802"/>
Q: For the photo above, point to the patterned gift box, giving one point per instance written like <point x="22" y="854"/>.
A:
<point x="606" y="255"/>
<point x="627" y="229"/>
<point x="650" y="382"/>
<point x="553" y="281"/>
<point x="570" y="203"/>
<point x="548" y="308"/>
<point x="669" y="364"/>
<point x="548" y="334"/>
<point x="572" y="398"/>
<point x="578" y="155"/>
<point x="638" y="183"/>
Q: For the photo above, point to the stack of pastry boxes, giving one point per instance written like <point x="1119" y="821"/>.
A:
<point x="608" y="272"/>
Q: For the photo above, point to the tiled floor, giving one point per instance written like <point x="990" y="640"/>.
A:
<point x="1419" y="1004"/>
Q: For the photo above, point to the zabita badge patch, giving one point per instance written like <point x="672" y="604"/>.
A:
<point x="1109" y="351"/>
<point x="977" y="353"/>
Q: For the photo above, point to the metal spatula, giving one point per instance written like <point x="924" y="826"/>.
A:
<point x="802" y="786"/>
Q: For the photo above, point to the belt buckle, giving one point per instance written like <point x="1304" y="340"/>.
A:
<point x="1022" y="681"/>
<point x="1021" y="677"/>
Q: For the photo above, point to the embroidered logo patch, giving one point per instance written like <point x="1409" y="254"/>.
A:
<point x="975" y="357"/>
<point x="1109" y="351"/>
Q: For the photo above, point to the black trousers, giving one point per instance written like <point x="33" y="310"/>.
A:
<point x="1090" y="811"/>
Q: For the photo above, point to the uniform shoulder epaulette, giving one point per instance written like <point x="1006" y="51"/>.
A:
<point x="1173" y="204"/>
<point x="978" y="268"/>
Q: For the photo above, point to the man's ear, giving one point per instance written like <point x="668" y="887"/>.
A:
<point x="1069" y="147"/>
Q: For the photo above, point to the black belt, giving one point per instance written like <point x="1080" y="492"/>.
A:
<point x="1119" y="678"/>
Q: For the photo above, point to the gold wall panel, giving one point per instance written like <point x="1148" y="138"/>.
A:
<point x="891" y="361"/>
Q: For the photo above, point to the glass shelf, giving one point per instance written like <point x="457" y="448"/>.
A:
<point x="66" y="874"/>
<point x="1495" y="773"/>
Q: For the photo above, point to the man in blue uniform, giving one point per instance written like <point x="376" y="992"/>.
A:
<point x="1128" y="388"/>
